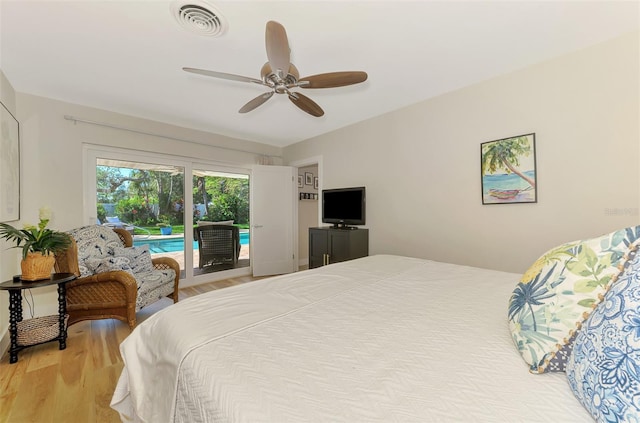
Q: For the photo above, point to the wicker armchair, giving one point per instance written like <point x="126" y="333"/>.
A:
<point x="217" y="244"/>
<point x="107" y="295"/>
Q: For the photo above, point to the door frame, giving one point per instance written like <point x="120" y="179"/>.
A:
<point x="310" y="161"/>
<point x="199" y="164"/>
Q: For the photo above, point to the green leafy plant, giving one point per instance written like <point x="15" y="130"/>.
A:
<point x="102" y="212"/>
<point x="36" y="239"/>
<point x="163" y="221"/>
<point x="136" y="211"/>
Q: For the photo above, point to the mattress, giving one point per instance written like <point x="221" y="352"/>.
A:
<point x="377" y="339"/>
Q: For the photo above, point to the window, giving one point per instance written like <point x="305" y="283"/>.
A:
<point x="149" y="196"/>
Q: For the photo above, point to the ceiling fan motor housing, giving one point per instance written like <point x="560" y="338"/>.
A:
<point x="271" y="78"/>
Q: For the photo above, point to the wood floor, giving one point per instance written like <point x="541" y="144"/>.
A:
<point x="76" y="384"/>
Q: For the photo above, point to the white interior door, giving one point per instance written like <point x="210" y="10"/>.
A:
<point x="274" y="221"/>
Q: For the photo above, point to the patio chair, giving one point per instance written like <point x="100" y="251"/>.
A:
<point x="113" y="282"/>
<point x="217" y="244"/>
<point x="114" y="222"/>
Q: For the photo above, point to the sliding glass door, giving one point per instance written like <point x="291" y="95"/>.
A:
<point x="151" y="196"/>
<point x="146" y="199"/>
<point x="221" y="220"/>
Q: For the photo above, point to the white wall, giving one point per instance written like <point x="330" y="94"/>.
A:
<point x="9" y="258"/>
<point x="421" y="164"/>
<point x="53" y="150"/>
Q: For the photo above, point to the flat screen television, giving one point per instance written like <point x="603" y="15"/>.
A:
<point x="344" y="206"/>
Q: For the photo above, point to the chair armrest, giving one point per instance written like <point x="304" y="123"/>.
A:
<point x="103" y="296"/>
<point x="162" y="263"/>
<point x="125" y="237"/>
<point x="107" y="287"/>
<point x="67" y="260"/>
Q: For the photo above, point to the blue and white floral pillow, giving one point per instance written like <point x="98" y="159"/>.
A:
<point x="604" y="368"/>
<point x="558" y="291"/>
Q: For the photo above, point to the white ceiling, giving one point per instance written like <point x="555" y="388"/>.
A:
<point x="127" y="56"/>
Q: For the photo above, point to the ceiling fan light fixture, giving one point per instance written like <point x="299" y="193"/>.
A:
<point x="199" y="17"/>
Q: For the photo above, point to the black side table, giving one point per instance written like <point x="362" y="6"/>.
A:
<point x="15" y="310"/>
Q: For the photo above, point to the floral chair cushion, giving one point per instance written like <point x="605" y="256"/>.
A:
<point x="108" y="264"/>
<point x="94" y="241"/>
<point x="557" y="293"/>
<point x="604" y="369"/>
<point x="138" y="258"/>
<point x="153" y="286"/>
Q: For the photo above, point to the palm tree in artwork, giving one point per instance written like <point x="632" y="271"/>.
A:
<point x="504" y="155"/>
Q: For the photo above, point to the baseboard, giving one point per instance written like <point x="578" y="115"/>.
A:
<point x="303" y="261"/>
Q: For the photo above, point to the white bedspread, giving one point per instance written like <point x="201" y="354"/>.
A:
<point x="378" y="339"/>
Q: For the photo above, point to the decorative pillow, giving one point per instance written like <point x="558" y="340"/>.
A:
<point x="108" y="264"/>
<point x="138" y="258"/>
<point x="94" y="241"/>
<point x="206" y="222"/>
<point x="604" y="369"/>
<point x="558" y="291"/>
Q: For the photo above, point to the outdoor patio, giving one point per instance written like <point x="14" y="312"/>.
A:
<point x="243" y="261"/>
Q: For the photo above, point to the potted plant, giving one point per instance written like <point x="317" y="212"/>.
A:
<point x="38" y="244"/>
<point x="165" y="228"/>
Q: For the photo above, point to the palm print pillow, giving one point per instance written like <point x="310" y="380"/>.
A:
<point x="558" y="292"/>
<point x="604" y="369"/>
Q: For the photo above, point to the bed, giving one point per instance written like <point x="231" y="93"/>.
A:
<point x="377" y="339"/>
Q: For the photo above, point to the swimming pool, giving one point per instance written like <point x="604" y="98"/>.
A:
<point x="171" y="245"/>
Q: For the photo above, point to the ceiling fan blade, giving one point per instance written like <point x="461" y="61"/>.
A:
<point x="333" y="79"/>
<point x="306" y="104"/>
<point x="278" y="50"/>
<point x="259" y="100"/>
<point x="223" y="75"/>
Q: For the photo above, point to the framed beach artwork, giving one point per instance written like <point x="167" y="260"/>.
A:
<point x="9" y="166"/>
<point x="509" y="170"/>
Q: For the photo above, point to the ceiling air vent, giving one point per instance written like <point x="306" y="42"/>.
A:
<point x="199" y="17"/>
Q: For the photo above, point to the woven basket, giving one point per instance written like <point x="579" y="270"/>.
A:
<point x="39" y="329"/>
<point x="36" y="266"/>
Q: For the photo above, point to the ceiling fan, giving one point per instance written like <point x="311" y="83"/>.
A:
<point x="280" y="75"/>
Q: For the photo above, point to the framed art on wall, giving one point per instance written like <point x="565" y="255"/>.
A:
<point x="315" y="182"/>
<point x="9" y="166"/>
<point x="508" y="170"/>
<point x="308" y="178"/>
<point x="300" y="181"/>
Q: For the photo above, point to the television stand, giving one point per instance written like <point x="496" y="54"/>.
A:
<point x="329" y="245"/>
<point x="343" y="226"/>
